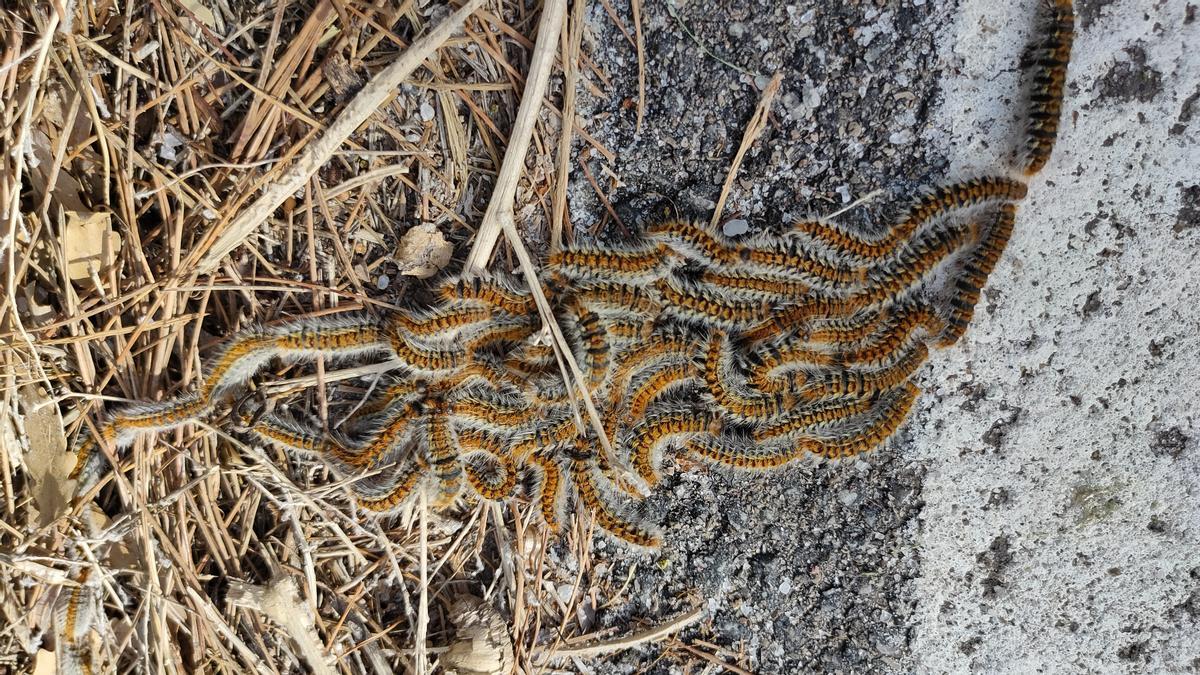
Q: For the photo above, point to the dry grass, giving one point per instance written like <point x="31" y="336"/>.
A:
<point x="137" y="135"/>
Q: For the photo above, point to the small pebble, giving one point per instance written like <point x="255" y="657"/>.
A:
<point x="736" y="227"/>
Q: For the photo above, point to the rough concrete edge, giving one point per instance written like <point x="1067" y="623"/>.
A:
<point x="1062" y="517"/>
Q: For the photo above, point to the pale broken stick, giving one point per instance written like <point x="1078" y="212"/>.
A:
<point x="570" y="54"/>
<point x="619" y="644"/>
<point x="377" y="91"/>
<point x="753" y="128"/>
<point x="500" y="211"/>
<point x="500" y="215"/>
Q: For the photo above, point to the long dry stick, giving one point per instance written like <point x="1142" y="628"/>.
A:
<point x="499" y="213"/>
<point x="635" y="7"/>
<point x="570" y="55"/>
<point x="376" y="92"/>
<point x="753" y="128"/>
<point x="420" y="654"/>
<point x="619" y="644"/>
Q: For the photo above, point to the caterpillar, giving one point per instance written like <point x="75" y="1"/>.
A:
<point x="1049" y="80"/>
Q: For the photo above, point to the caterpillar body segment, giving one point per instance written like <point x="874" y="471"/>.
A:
<point x="75" y="616"/>
<point x="695" y="303"/>
<point x="899" y="332"/>
<point x="657" y="348"/>
<point x="877" y="426"/>
<point x="549" y="489"/>
<point x="442" y="322"/>
<point x="933" y="205"/>
<point x="747" y="286"/>
<point x="948" y="199"/>
<point x="496" y="335"/>
<point x="791" y="258"/>
<point x="287" y="434"/>
<point x="967" y="286"/>
<point x="728" y="394"/>
<point x="776" y="367"/>
<point x="628" y="265"/>
<point x="648" y="389"/>
<point x="625" y="328"/>
<point x="560" y="427"/>
<point x="798" y="319"/>
<point x="695" y="241"/>
<point x="491" y="473"/>
<point x="425" y="359"/>
<point x="804" y="418"/>
<point x="746" y="454"/>
<point x="845" y="328"/>
<point x="853" y="381"/>
<point x="442" y="454"/>
<point x="378" y="443"/>
<point x="915" y="261"/>
<point x="493" y="293"/>
<point x="1049" y="82"/>
<point x="595" y="344"/>
<point x="241" y="357"/>
<point x="645" y="440"/>
<point x="393" y="496"/>
<point x="624" y="298"/>
<point x="593" y="498"/>
<point x="124" y="427"/>
<point x="497" y="412"/>
<point x="841" y="242"/>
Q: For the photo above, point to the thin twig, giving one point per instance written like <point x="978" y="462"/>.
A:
<point x="570" y="74"/>
<point x="619" y="644"/>
<point x="422" y="627"/>
<point x="854" y="204"/>
<point x="499" y="213"/>
<point x="754" y="127"/>
<point x="635" y="6"/>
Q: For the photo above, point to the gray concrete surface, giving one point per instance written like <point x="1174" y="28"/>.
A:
<point x="1061" y="526"/>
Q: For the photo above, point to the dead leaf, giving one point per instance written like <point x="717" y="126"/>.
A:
<point x="201" y="12"/>
<point x="280" y="601"/>
<point x="482" y="645"/>
<point x="44" y="663"/>
<point x="423" y="251"/>
<point x="47" y="460"/>
<point x="89" y="244"/>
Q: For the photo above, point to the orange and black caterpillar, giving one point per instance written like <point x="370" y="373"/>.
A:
<point x="1049" y="80"/>
<point x="745" y="353"/>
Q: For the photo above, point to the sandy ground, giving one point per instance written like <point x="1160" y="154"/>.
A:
<point x="1040" y="510"/>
